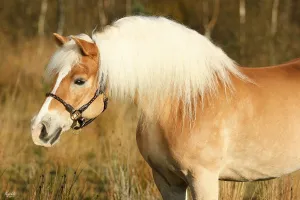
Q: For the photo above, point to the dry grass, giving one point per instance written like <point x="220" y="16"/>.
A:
<point x="101" y="162"/>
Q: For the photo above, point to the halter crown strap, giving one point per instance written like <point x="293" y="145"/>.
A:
<point x="85" y="106"/>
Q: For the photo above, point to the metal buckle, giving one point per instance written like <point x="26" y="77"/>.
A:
<point x="75" y="115"/>
<point x="79" y="123"/>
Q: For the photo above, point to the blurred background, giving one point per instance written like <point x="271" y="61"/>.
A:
<point x="102" y="161"/>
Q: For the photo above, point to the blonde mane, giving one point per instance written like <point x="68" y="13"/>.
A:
<point x="157" y="59"/>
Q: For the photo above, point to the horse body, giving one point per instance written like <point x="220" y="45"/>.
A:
<point x="267" y="127"/>
<point x="251" y="135"/>
<point x="203" y="118"/>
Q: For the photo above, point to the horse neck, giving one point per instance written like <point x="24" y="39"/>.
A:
<point x="172" y="113"/>
<point x="169" y="112"/>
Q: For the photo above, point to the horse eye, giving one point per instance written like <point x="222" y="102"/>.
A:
<point x="79" y="81"/>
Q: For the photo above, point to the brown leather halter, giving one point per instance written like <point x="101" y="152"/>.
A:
<point x="76" y="115"/>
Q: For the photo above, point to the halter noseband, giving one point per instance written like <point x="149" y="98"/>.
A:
<point x="76" y="115"/>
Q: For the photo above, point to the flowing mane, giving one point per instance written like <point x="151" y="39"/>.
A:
<point x="155" y="58"/>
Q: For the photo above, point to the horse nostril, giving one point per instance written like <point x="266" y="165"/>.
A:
<point x="44" y="133"/>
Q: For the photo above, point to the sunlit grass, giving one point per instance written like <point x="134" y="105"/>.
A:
<point x="100" y="162"/>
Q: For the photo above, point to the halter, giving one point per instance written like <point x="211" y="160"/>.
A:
<point x="76" y="115"/>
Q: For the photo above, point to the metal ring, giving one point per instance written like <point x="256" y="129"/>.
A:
<point x="75" y="115"/>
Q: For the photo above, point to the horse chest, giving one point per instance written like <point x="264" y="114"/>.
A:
<point x="151" y="144"/>
<point x="156" y="151"/>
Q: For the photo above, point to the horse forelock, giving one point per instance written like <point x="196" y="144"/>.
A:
<point x="65" y="57"/>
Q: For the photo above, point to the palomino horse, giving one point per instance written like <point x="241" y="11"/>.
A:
<point x="203" y="118"/>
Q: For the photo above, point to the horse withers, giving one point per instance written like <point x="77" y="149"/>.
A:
<point x="202" y="117"/>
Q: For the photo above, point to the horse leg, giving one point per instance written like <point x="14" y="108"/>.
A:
<point x="169" y="191"/>
<point x="204" y="184"/>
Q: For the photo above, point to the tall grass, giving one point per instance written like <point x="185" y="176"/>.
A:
<point x="100" y="162"/>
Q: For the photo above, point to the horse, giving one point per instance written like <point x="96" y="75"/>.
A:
<point x="203" y="118"/>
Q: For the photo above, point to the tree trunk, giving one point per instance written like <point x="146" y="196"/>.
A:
<point x="128" y="7"/>
<point x="242" y="12"/>
<point x="287" y="11"/>
<point x="42" y="17"/>
<point x="274" y="17"/>
<point x="274" y="23"/>
<point x="205" y="18"/>
<point x="210" y="24"/>
<point x="60" y="17"/>
<point x="101" y="11"/>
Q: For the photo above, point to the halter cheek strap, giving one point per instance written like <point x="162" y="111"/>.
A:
<point x="76" y="115"/>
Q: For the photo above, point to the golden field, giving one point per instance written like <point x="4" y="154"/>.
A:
<point x="99" y="162"/>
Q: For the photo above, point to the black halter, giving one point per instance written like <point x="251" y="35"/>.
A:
<point x="76" y="115"/>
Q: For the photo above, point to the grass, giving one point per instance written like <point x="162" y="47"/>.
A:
<point x="100" y="162"/>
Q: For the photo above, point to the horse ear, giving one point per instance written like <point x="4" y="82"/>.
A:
<point x="87" y="48"/>
<point x="60" y="40"/>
